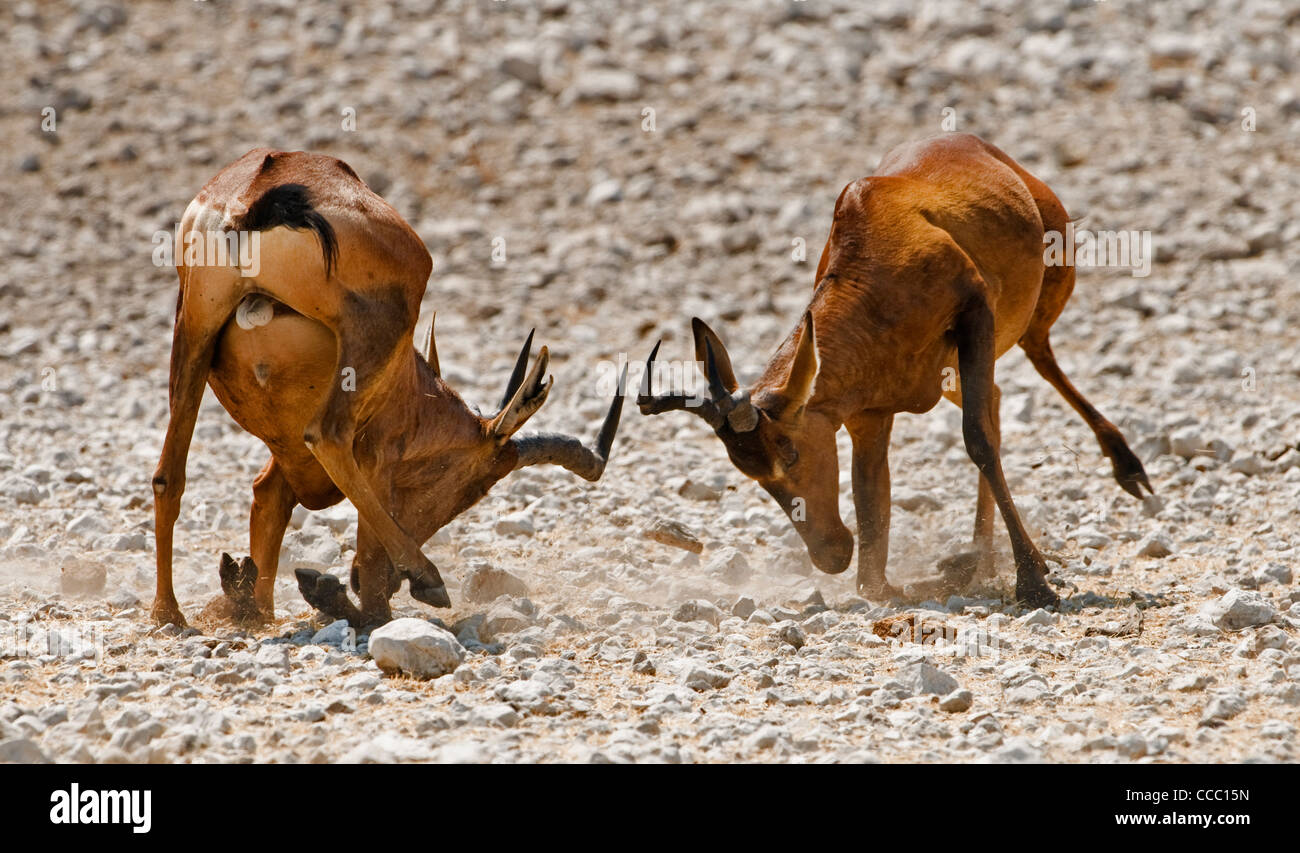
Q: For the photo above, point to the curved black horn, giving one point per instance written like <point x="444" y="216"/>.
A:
<point x="651" y="404"/>
<point x="528" y="396"/>
<point x="567" y="451"/>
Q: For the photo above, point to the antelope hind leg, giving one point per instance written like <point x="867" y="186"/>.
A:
<point x="959" y="570"/>
<point x="1058" y="284"/>
<point x="198" y="322"/>
<point x="974" y="332"/>
<point x="330" y="436"/>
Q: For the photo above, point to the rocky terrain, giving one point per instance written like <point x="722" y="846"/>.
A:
<point x="603" y="172"/>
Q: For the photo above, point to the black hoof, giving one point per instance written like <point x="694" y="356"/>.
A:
<point x="238" y="581"/>
<point x="324" y="592"/>
<point x="880" y="593"/>
<point x="1036" y="595"/>
<point x="1129" y="473"/>
<point x="434" y="595"/>
<point x="229" y="572"/>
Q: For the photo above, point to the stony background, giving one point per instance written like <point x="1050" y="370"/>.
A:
<point x="524" y="122"/>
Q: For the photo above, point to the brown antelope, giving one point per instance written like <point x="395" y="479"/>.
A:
<point x="314" y="355"/>
<point x="935" y="264"/>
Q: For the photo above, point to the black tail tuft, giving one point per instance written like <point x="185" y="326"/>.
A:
<point x="290" y="205"/>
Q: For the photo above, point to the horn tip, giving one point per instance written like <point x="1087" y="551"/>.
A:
<point x="605" y="440"/>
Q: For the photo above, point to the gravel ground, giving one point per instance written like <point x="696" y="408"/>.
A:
<point x="603" y="175"/>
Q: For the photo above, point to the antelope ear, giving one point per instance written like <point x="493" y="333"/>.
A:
<point x="524" y="401"/>
<point x="705" y="339"/>
<point x="804" y="366"/>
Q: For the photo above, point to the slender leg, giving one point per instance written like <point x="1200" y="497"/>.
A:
<point x="984" y="508"/>
<point x="975" y="357"/>
<point x="372" y="576"/>
<point x="188" y="375"/>
<point x="384" y="570"/>
<point x="1127" y="468"/>
<point x="870" y="433"/>
<point x="335" y="456"/>
<point x="376" y="581"/>
<point x="273" y="503"/>
<point x="1058" y="284"/>
<point x="193" y="342"/>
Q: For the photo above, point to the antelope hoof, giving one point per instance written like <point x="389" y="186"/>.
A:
<point x="1129" y="472"/>
<point x="325" y="593"/>
<point x="432" y="594"/>
<point x="879" y="592"/>
<point x="426" y="584"/>
<point x="168" y="613"/>
<point x="237" y="582"/>
<point x="1037" y="594"/>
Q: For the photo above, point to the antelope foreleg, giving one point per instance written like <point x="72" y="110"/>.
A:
<point x="330" y="438"/>
<point x="871" y="490"/>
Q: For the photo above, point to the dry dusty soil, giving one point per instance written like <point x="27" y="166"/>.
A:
<point x="603" y="174"/>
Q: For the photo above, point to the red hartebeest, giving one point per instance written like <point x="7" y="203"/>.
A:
<point x="934" y="264"/>
<point x="313" y="354"/>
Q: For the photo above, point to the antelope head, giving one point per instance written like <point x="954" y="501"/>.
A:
<point x="772" y="433"/>
<point x="460" y="459"/>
